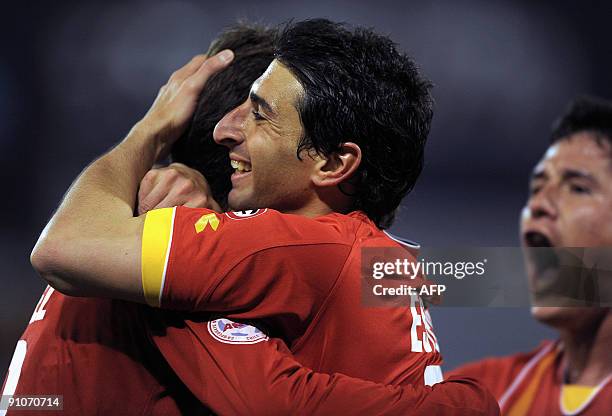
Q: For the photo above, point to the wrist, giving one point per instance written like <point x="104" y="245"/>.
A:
<point x="148" y="138"/>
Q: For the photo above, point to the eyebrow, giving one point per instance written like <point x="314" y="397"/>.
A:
<point x="568" y="174"/>
<point x="541" y="174"/>
<point x="261" y="103"/>
<point x="573" y="174"/>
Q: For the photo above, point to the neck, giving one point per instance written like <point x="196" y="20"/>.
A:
<point x="310" y="210"/>
<point x="587" y="356"/>
<point x="323" y="201"/>
<point x="329" y="199"/>
<point x="311" y="206"/>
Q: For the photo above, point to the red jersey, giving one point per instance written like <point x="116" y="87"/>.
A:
<point x="530" y="384"/>
<point x="96" y="354"/>
<point x="110" y="362"/>
<point x="299" y="276"/>
<point x="235" y="369"/>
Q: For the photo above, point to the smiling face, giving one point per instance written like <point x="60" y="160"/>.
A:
<point x="570" y="205"/>
<point x="262" y="135"/>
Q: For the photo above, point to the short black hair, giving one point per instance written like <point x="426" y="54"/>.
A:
<point x="585" y="114"/>
<point x="253" y="47"/>
<point x="359" y="88"/>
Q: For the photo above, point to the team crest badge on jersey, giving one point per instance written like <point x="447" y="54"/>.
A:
<point x="230" y="332"/>
<point x="247" y="213"/>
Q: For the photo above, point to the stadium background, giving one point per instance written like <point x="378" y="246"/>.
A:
<point x="75" y="76"/>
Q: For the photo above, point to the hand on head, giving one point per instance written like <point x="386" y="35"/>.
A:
<point x="176" y="101"/>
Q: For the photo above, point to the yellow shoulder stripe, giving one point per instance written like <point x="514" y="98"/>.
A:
<point x="156" y="241"/>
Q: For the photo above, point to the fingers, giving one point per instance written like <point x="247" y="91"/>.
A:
<point x="203" y="202"/>
<point x="187" y="193"/>
<point x="176" y="101"/>
<point x="153" y="200"/>
<point x="180" y="74"/>
<point x="209" y="67"/>
<point x="157" y="185"/>
<point x="150" y="193"/>
<point x="172" y="200"/>
<point x="174" y="185"/>
<point x="213" y="64"/>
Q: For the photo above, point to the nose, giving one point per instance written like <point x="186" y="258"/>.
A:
<point x="542" y="204"/>
<point x="229" y="131"/>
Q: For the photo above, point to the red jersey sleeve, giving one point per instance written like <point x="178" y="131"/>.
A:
<point x="237" y="376"/>
<point x="259" y="261"/>
<point x="283" y="386"/>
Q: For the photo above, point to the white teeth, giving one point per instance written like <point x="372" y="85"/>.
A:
<point x="240" y="166"/>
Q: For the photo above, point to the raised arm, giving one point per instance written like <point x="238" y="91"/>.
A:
<point x="92" y="244"/>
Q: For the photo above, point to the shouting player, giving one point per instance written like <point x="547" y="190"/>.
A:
<point x="265" y="264"/>
<point x="570" y="205"/>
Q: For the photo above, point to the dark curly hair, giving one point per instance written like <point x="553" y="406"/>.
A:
<point x="359" y="88"/>
<point x="253" y="46"/>
<point x="585" y="114"/>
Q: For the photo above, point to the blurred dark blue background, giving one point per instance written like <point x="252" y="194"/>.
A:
<point x="75" y="76"/>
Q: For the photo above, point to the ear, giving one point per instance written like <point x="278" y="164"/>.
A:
<point x="338" y="167"/>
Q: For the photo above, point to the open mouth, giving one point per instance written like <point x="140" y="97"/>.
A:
<point x="537" y="239"/>
<point x="541" y="251"/>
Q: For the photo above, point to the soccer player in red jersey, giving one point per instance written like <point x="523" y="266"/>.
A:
<point x="321" y="182"/>
<point x="570" y="205"/>
<point x="97" y="353"/>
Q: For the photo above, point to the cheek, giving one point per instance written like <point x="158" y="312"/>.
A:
<point x="292" y="176"/>
<point x="274" y="169"/>
<point x="588" y="226"/>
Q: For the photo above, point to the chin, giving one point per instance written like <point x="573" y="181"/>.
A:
<point x="571" y="318"/>
<point x="551" y="314"/>
<point x="236" y="201"/>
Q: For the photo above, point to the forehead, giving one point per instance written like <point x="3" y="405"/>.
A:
<point x="579" y="151"/>
<point x="278" y="86"/>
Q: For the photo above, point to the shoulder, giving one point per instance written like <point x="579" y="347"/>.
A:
<point x="271" y="226"/>
<point x="497" y="373"/>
